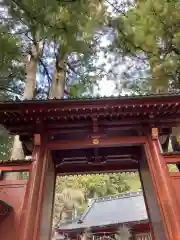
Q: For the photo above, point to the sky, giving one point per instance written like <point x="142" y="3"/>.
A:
<point x="107" y="87"/>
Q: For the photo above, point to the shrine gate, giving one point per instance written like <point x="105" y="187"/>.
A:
<point x="88" y="136"/>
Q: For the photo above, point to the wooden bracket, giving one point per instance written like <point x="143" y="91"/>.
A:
<point x="37" y="139"/>
<point x="154" y="133"/>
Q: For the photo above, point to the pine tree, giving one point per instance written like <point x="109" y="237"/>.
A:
<point x="76" y="45"/>
<point x="149" y="31"/>
<point x="39" y="24"/>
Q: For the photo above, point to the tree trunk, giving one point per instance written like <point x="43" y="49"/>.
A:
<point x="30" y="84"/>
<point x="58" y="78"/>
<point x="17" y="151"/>
<point x="31" y="69"/>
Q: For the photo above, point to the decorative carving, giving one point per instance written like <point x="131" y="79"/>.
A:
<point x="95" y="141"/>
<point x="154" y="133"/>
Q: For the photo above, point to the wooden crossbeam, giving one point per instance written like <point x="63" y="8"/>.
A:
<point x="15" y="167"/>
<point x="172" y="158"/>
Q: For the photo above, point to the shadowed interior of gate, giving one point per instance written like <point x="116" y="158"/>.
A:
<point x="96" y="159"/>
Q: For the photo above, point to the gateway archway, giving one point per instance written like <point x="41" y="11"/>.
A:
<point x="85" y="136"/>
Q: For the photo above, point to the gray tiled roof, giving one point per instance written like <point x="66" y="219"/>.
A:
<point x="126" y="208"/>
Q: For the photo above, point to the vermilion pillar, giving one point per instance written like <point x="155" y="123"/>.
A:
<point x="164" y="189"/>
<point x="32" y="208"/>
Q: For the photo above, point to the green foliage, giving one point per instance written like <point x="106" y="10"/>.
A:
<point x="77" y="44"/>
<point x="78" y="189"/>
<point x="95" y="185"/>
<point x="5" y="144"/>
<point x="150" y="30"/>
<point x="10" y="68"/>
<point x="68" y="26"/>
<point x="172" y="168"/>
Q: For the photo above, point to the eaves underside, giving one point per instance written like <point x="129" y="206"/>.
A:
<point x="123" y="111"/>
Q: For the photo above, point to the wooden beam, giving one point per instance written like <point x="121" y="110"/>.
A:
<point x="174" y="174"/>
<point x="165" y="194"/>
<point x="127" y="123"/>
<point x="119" y="152"/>
<point x="103" y="142"/>
<point x="171" y="158"/>
<point x="92" y="169"/>
<point x="147" y="101"/>
<point x="31" y="210"/>
<point x="15" y="168"/>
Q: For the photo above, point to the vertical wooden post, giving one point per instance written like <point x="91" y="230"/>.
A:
<point x="163" y="188"/>
<point x="29" y="222"/>
<point x="152" y="206"/>
<point x="45" y="230"/>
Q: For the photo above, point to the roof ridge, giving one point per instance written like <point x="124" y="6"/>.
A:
<point x="86" y="212"/>
<point x="69" y="221"/>
<point x="89" y="97"/>
<point x="113" y="197"/>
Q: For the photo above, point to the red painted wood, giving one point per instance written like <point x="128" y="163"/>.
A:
<point x="127" y="113"/>
<point x="138" y="227"/>
<point x="143" y="110"/>
<point x="37" y="222"/>
<point x="174" y="174"/>
<point x="29" y="224"/>
<point x="152" y="206"/>
<point x="12" y="192"/>
<point x="13" y="167"/>
<point x="175" y="178"/>
<point x="46" y="217"/>
<point x="103" y="142"/>
<point x="172" y="158"/>
<point x="158" y="102"/>
<point x="164" y="190"/>
<point x="95" y="168"/>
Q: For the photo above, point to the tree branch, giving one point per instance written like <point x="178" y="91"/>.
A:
<point x="7" y="89"/>
<point x="35" y="18"/>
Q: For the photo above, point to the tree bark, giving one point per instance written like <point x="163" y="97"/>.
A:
<point x="58" y="78"/>
<point x="17" y="151"/>
<point x="30" y="84"/>
<point x="31" y="69"/>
